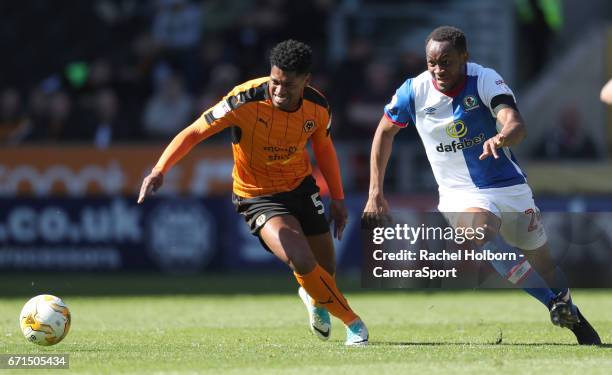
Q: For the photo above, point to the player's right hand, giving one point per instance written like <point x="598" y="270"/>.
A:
<point x="150" y="185"/>
<point x="376" y="211"/>
<point x="489" y="148"/>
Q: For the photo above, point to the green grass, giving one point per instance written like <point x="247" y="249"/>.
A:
<point x="198" y="331"/>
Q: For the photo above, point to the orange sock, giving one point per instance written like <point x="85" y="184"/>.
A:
<point x="313" y="301"/>
<point x="322" y="288"/>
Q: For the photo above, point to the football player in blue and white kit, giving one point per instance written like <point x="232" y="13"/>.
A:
<point x="467" y="118"/>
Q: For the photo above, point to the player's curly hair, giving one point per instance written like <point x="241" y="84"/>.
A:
<point x="451" y="34"/>
<point x="292" y="56"/>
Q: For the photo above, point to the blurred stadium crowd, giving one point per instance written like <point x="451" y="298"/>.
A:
<point x="110" y="71"/>
<point x="107" y="71"/>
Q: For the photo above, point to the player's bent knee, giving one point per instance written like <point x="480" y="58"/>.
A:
<point x="285" y="238"/>
<point x="489" y="234"/>
<point x="303" y="262"/>
<point x="484" y="222"/>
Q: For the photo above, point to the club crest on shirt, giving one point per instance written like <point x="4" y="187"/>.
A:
<point x="309" y="125"/>
<point x="470" y="102"/>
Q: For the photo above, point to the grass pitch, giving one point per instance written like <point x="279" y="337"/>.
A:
<point x="201" y="325"/>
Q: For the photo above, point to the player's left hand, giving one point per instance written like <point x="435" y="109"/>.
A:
<point x="491" y="145"/>
<point x="338" y="214"/>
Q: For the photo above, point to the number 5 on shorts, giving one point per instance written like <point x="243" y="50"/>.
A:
<point x="316" y="200"/>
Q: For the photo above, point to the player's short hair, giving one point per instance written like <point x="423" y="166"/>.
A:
<point x="451" y="34"/>
<point x="292" y="56"/>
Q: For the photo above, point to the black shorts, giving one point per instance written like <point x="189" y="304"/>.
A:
<point x="303" y="202"/>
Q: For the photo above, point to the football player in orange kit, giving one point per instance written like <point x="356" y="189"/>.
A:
<point x="271" y="119"/>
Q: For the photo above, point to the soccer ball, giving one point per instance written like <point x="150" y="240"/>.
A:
<point x="45" y="320"/>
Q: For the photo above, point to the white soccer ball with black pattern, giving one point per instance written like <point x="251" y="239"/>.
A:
<point x="45" y="320"/>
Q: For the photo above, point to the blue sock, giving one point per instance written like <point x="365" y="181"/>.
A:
<point x="520" y="272"/>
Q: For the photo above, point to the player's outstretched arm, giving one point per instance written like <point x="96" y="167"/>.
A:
<point x="382" y="145"/>
<point x="179" y="147"/>
<point x="512" y="133"/>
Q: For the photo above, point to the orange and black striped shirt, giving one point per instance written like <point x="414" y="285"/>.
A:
<point x="269" y="145"/>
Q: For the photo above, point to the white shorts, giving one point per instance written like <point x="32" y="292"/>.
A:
<point x="514" y="205"/>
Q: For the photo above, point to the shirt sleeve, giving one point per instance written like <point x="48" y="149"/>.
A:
<point x="401" y="108"/>
<point x="490" y="85"/>
<point x="218" y="117"/>
<point x="321" y="134"/>
<point x="211" y="122"/>
<point x="327" y="159"/>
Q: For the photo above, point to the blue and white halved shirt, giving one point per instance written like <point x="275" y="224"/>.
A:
<point x="454" y="127"/>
